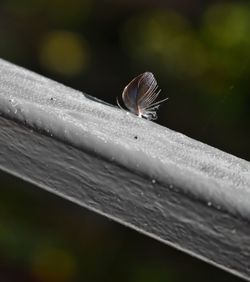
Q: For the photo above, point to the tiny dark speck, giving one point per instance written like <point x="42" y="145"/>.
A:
<point x="205" y="168"/>
<point x="135" y="137"/>
<point x="51" y="98"/>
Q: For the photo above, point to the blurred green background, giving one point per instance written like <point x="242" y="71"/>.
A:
<point x="199" y="52"/>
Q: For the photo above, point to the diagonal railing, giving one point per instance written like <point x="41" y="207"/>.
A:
<point x="166" y="185"/>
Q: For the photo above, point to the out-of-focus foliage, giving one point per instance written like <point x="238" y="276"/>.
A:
<point x="200" y="55"/>
<point x="218" y="46"/>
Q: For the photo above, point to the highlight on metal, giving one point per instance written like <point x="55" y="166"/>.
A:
<point x="140" y="94"/>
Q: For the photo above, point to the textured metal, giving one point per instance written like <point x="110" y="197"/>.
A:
<point x="161" y="183"/>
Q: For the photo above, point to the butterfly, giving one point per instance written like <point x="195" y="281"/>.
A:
<point x="140" y="94"/>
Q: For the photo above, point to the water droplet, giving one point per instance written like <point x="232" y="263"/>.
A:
<point x="153" y="181"/>
<point x="171" y="186"/>
<point x="209" y="204"/>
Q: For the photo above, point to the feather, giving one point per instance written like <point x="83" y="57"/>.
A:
<point x="139" y="96"/>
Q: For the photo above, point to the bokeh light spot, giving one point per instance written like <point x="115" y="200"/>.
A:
<point x="227" y="24"/>
<point x="167" y="40"/>
<point x="64" y="52"/>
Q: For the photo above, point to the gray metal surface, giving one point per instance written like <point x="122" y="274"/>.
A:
<point x="164" y="184"/>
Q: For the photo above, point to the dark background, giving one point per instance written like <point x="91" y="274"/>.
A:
<point x="199" y="52"/>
